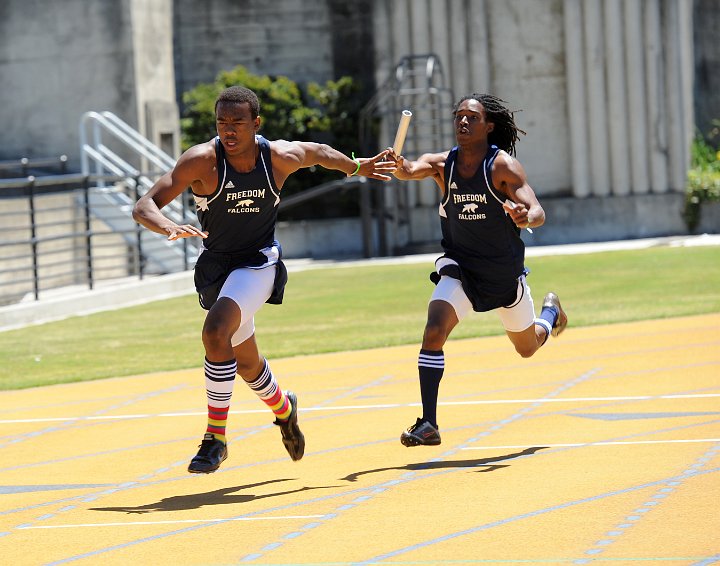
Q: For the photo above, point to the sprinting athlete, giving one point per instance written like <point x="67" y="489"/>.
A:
<point x="486" y="201"/>
<point x="236" y="179"/>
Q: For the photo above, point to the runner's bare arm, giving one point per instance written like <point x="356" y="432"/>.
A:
<point x="288" y="157"/>
<point x="428" y="165"/>
<point x="509" y="177"/>
<point x="190" y="170"/>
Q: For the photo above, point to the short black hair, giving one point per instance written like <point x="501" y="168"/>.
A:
<point x="505" y="133"/>
<point x="240" y="94"/>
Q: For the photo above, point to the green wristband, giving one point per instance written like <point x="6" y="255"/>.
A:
<point x="358" y="165"/>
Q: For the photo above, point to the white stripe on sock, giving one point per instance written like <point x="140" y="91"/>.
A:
<point x="545" y="324"/>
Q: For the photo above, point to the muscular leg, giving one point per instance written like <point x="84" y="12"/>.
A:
<point x="441" y="320"/>
<point x="222" y="320"/>
<point x="537" y="328"/>
<point x="249" y="361"/>
<point x="220" y="367"/>
<point x="552" y="319"/>
<point x="431" y="361"/>
<point x="255" y="370"/>
<point x="529" y="340"/>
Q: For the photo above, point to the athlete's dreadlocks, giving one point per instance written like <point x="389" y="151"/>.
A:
<point x="505" y="133"/>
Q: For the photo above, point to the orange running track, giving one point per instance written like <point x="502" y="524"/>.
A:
<point x="603" y="448"/>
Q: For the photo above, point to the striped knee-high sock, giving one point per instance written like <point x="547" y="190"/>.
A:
<point x="546" y="320"/>
<point x="431" y="365"/>
<point x="219" y="381"/>
<point x="265" y="387"/>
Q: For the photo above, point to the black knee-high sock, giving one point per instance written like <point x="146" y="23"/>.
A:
<point x="431" y="364"/>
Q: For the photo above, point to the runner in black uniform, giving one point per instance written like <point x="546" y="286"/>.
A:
<point x="236" y="180"/>
<point x="485" y="202"/>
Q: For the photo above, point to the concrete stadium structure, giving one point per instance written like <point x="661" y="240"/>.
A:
<point x="607" y="88"/>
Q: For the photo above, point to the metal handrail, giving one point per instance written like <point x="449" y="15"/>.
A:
<point x="104" y="158"/>
<point x="24" y="164"/>
<point x="132" y="139"/>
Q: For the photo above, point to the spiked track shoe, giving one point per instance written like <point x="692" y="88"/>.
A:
<point x="212" y="453"/>
<point x="292" y="436"/>
<point x="421" y="433"/>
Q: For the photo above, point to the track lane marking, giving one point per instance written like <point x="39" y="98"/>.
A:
<point x="136" y="523"/>
<point x="599" y="443"/>
<point x="366" y="407"/>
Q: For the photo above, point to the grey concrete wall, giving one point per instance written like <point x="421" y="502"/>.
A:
<point x="291" y="38"/>
<point x="305" y="40"/>
<point x="61" y="59"/>
<point x="513" y="49"/>
<point x="605" y="88"/>
<point x="154" y="74"/>
<point x="707" y="66"/>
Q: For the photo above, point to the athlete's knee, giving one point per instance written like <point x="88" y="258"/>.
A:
<point x="216" y="332"/>
<point x="526" y="350"/>
<point x="221" y="322"/>
<point x="213" y="337"/>
<point x="434" y="336"/>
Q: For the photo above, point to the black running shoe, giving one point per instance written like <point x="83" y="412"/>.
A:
<point x="212" y="453"/>
<point x="422" y="432"/>
<point x="552" y="300"/>
<point x="292" y="437"/>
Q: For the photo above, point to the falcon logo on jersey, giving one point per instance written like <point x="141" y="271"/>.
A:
<point x="201" y="202"/>
<point x="246" y="202"/>
<point x="470" y="209"/>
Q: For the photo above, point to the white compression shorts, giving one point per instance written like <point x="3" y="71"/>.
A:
<point x="515" y="318"/>
<point x="249" y="288"/>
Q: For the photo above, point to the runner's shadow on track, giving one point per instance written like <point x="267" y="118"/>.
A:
<point x="487" y="464"/>
<point x="197" y="500"/>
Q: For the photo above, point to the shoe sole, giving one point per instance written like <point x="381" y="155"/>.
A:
<point x="409" y="441"/>
<point x="560" y="324"/>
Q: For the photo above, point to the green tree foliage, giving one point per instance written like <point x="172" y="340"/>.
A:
<point x="323" y="113"/>
<point x="703" y="182"/>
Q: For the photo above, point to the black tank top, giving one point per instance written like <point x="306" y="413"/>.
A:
<point x="477" y="232"/>
<point x="240" y="215"/>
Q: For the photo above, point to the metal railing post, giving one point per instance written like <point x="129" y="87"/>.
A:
<point x="138" y="235"/>
<point x="33" y="238"/>
<point x="88" y="231"/>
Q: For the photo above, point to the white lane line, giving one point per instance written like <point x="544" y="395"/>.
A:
<point x="613" y="443"/>
<point x="366" y="407"/>
<point x="136" y="523"/>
